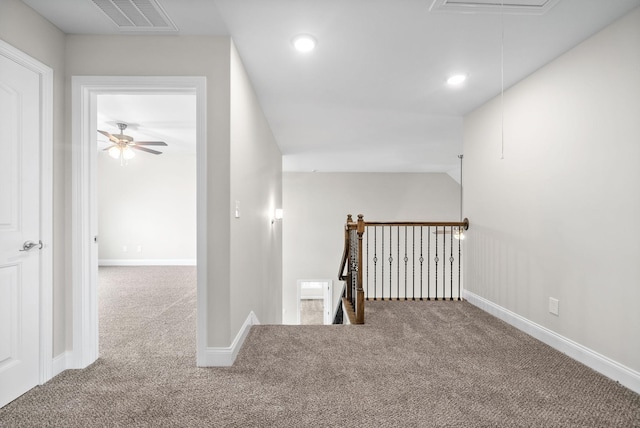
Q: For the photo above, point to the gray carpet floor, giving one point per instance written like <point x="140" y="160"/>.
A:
<point x="414" y="364"/>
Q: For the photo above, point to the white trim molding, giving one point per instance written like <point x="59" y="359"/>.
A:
<point x="225" y="356"/>
<point x="590" y="358"/>
<point x="62" y="362"/>
<point x="84" y="223"/>
<point x="45" y="74"/>
<point x="147" y="262"/>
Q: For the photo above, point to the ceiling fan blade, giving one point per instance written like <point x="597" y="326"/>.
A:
<point x="109" y="136"/>
<point x="149" y="143"/>
<point x="114" y="145"/>
<point x="144" y="149"/>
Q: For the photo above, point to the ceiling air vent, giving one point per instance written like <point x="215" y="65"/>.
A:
<point x="513" y="7"/>
<point x="136" y="15"/>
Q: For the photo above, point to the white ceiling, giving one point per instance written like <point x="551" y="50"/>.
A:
<point x="372" y="96"/>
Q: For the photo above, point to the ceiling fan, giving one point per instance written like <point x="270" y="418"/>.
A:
<point x="123" y="144"/>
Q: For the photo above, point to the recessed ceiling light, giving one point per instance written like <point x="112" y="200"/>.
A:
<point x="304" y="43"/>
<point x="456" y="79"/>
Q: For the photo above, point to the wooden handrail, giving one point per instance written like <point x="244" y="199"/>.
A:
<point x="464" y="224"/>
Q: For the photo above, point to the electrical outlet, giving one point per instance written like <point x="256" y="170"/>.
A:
<point x="124" y="249"/>
<point x="553" y="305"/>
<point x="139" y="248"/>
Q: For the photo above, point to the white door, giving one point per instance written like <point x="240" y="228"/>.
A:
<point x="19" y="223"/>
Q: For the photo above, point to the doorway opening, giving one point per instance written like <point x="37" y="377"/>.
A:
<point x="85" y="237"/>
<point x="314" y="301"/>
<point x="146" y="193"/>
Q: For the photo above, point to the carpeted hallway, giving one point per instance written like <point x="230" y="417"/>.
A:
<point x="415" y="364"/>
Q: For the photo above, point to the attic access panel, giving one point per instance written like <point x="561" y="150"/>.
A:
<point x="136" y="15"/>
<point x="514" y="7"/>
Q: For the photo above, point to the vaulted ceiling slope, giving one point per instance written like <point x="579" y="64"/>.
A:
<point x="372" y="96"/>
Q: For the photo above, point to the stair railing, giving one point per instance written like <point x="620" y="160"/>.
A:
<point x="400" y="260"/>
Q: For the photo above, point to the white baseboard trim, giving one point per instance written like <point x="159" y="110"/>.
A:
<point x="225" y="356"/>
<point x="606" y="366"/>
<point x="61" y="363"/>
<point x="147" y="262"/>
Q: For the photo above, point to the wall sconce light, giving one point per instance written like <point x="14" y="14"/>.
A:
<point x="277" y="215"/>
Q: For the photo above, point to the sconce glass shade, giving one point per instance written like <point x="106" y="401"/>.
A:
<point x="277" y="215"/>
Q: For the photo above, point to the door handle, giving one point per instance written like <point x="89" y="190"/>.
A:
<point x="29" y="245"/>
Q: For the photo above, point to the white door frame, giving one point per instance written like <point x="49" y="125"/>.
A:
<point x="46" y="204"/>
<point x="84" y="92"/>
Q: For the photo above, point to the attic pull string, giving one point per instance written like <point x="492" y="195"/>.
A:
<point x="502" y="80"/>
<point x="461" y="188"/>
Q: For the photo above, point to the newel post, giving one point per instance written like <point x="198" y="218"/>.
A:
<point x="360" y="291"/>
<point x="347" y="239"/>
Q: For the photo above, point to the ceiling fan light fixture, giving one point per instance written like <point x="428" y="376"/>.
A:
<point x="123" y="144"/>
<point x="304" y="43"/>
<point x="127" y="153"/>
<point x="114" y="152"/>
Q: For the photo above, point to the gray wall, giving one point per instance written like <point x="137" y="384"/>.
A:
<point x="256" y="182"/>
<point x="316" y="207"/>
<point x="555" y="217"/>
<point x="211" y="57"/>
<point x="179" y="56"/>
<point x="242" y="155"/>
